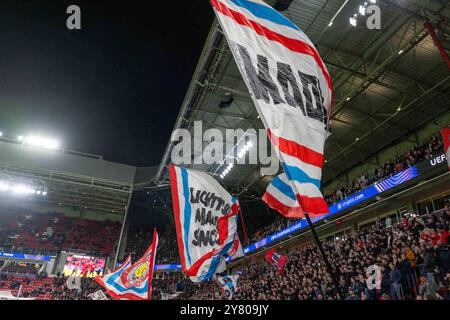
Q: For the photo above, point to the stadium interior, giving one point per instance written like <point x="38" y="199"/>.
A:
<point x="385" y="178"/>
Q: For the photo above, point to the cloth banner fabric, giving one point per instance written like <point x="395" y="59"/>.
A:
<point x="277" y="260"/>
<point x="228" y="285"/>
<point x="446" y="138"/>
<point x="132" y="281"/>
<point x="280" y="196"/>
<point x="291" y="89"/>
<point x="206" y="219"/>
<point x="98" y="295"/>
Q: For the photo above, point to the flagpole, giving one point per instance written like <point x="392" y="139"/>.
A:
<point x="322" y="253"/>
<point x="244" y="229"/>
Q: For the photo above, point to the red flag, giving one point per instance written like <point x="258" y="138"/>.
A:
<point x="446" y="139"/>
<point x="277" y="260"/>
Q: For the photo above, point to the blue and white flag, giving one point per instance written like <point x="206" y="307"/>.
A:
<point x="132" y="282"/>
<point x="206" y="218"/>
<point x="291" y="89"/>
<point x="229" y="285"/>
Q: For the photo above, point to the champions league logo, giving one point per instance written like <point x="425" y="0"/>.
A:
<point x="135" y="276"/>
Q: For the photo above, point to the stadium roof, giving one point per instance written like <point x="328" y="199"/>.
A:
<point x="80" y="181"/>
<point x="388" y="83"/>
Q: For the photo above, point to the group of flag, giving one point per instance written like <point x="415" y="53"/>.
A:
<point x="131" y="281"/>
<point x="292" y="92"/>
<point x="291" y="89"/>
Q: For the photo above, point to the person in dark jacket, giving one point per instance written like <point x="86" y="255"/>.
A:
<point x="407" y="275"/>
<point x="395" y="277"/>
<point x="429" y="261"/>
<point x="444" y="259"/>
<point x="385" y="287"/>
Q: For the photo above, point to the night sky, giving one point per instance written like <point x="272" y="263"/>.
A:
<point x="113" y="88"/>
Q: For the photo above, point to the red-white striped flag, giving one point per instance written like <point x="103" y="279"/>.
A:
<point x="291" y="89"/>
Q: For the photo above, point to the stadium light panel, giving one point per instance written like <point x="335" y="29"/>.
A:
<point x="41" y="142"/>
<point x="22" y="189"/>
<point x="4" y="186"/>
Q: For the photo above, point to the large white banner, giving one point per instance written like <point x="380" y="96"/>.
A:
<point x="206" y="218"/>
<point x="291" y="89"/>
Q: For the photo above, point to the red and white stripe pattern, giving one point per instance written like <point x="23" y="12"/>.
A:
<point x="279" y="196"/>
<point x="298" y="138"/>
<point x="190" y="189"/>
<point x="132" y="281"/>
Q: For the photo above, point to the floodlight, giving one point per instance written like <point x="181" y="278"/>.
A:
<point x="21" y="189"/>
<point x="4" y="186"/>
<point x="41" y="142"/>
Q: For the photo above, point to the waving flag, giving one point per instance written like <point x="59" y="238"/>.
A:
<point x="228" y="285"/>
<point x="277" y="260"/>
<point x="98" y="295"/>
<point x="280" y="196"/>
<point x="446" y="139"/>
<point x="291" y="89"/>
<point x="206" y="218"/>
<point x="132" y="282"/>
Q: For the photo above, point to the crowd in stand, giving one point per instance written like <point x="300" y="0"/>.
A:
<point x="412" y="256"/>
<point x="413" y="260"/>
<point x="19" y="268"/>
<point x="279" y="223"/>
<point x="48" y="234"/>
<point x="426" y="150"/>
<point x="431" y="146"/>
<point x="139" y="241"/>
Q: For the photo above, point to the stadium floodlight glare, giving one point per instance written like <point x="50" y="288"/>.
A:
<point x="44" y="193"/>
<point x="41" y="142"/>
<point x="20" y="138"/>
<point x="353" y="21"/>
<point x="362" y="10"/>
<point x="4" y="186"/>
<point x="22" y="189"/>
<point x="1" y="133"/>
